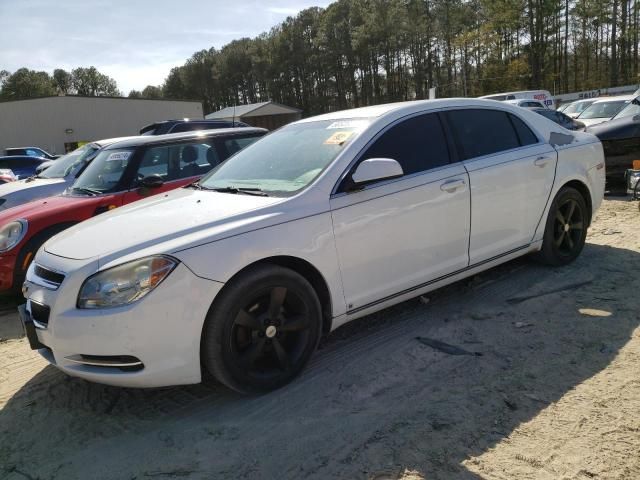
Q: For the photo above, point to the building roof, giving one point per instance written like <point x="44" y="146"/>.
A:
<point x="98" y="97"/>
<point x="253" y="110"/>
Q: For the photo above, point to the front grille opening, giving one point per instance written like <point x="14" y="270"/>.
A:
<point x="49" y="275"/>
<point x="40" y="313"/>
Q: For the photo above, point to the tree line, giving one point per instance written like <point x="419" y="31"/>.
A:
<point x="361" y="52"/>
<point x="25" y="83"/>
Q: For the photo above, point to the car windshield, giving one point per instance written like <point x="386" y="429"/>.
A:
<point x="287" y="160"/>
<point x="104" y="173"/>
<point x="577" y="107"/>
<point x="630" y="110"/>
<point x="603" y="109"/>
<point x="70" y="163"/>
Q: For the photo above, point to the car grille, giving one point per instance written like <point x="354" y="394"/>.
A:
<point x="40" y="313"/>
<point x="51" y="278"/>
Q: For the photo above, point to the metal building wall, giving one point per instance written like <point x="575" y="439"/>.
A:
<point x="46" y="122"/>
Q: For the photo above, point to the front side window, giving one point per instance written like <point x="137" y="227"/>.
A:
<point x="71" y="163"/>
<point x="482" y="131"/>
<point x="103" y="175"/>
<point x="287" y="160"/>
<point x="417" y="144"/>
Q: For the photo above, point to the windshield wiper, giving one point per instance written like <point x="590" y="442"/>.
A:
<point x="244" y="190"/>
<point x="86" y="190"/>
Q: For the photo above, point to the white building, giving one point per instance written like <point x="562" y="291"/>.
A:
<point x="59" y="124"/>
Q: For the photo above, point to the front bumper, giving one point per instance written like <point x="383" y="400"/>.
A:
<point x="7" y="267"/>
<point x="151" y="343"/>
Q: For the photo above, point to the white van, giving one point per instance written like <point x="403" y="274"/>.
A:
<point x="542" y="96"/>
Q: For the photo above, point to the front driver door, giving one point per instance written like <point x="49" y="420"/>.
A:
<point x="396" y="235"/>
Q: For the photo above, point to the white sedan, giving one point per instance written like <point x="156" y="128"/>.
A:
<point x="325" y="220"/>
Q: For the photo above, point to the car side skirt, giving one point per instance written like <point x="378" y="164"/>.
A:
<point x="434" y="284"/>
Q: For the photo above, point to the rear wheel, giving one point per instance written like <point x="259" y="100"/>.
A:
<point x="262" y="330"/>
<point x="566" y="228"/>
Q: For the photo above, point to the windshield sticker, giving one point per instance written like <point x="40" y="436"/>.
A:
<point x="338" y="138"/>
<point x="354" y="124"/>
<point x="118" y="156"/>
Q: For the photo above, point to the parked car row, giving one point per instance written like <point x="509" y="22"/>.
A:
<point x="99" y="177"/>
<point x="614" y="120"/>
<point x="324" y="221"/>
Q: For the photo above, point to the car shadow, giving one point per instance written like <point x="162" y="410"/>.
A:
<point x="375" y="401"/>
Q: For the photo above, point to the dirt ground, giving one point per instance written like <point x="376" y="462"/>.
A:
<point x="550" y="390"/>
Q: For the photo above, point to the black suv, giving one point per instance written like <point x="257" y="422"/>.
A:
<point x="186" y="125"/>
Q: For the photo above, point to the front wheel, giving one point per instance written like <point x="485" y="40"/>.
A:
<point x="262" y="330"/>
<point x="566" y="228"/>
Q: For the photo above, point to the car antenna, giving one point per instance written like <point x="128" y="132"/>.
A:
<point x="233" y="123"/>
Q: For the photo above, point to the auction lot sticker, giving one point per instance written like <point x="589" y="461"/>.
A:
<point x="338" y="138"/>
<point x="118" y="156"/>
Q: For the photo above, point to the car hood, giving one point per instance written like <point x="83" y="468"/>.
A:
<point x="179" y="217"/>
<point x="592" y="121"/>
<point x="11" y="187"/>
<point x="617" y="128"/>
<point x="45" y="207"/>
<point x="22" y="191"/>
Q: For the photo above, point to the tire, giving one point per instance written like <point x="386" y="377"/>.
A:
<point x="262" y="330"/>
<point x="565" y="230"/>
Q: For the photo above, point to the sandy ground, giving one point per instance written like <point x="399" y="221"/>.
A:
<point x="551" y="390"/>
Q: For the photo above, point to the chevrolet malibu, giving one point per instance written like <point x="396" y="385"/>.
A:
<point x="321" y="222"/>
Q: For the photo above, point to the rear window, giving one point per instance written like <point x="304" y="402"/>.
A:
<point x="482" y="132"/>
<point x="525" y="135"/>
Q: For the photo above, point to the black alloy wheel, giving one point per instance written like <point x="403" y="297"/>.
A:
<point x="262" y="330"/>
<point x="566" y="228"/>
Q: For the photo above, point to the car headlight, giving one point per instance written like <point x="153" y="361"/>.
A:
<point x="11" y="234"/>
<point x="126" y="283"/>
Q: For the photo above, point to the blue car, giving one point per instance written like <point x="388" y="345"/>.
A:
<point x="22" y="166"/>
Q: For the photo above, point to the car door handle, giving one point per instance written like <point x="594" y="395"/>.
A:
<point x="451" y="186"/>
<point x="541" y="162"/>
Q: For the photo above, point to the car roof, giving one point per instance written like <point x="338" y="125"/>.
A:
<point x="108" y="141"/>
<point x="169" y="137"/>
<point x="410" y="106"/>
<point x="23" y="157"/>
<point x="612" y="99"/>
<point x="520" y="100"/>
<point x="513" y="93"/>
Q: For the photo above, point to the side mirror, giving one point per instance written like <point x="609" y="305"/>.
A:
<point x="374" y="169"/>
<point x="152" y="181"/>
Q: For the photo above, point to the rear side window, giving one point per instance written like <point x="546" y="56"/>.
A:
<point x="525" y="135"/>
<point x="482" y="132"/>
<point x="418" y="144"/>
<point x="235" y="144"/>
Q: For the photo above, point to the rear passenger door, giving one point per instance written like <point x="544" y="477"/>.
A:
<point x="394" y="236"/>
<point x="511" y="173"/>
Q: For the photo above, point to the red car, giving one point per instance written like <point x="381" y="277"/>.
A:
<point x="121" y="173"/>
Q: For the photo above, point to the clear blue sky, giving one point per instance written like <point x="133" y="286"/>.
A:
<point x="134" y="41"/>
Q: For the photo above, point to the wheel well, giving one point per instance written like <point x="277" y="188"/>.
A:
<point x="584" y="191"/>
<point x="311" y="274"/>
<point x="44" y="235"/>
